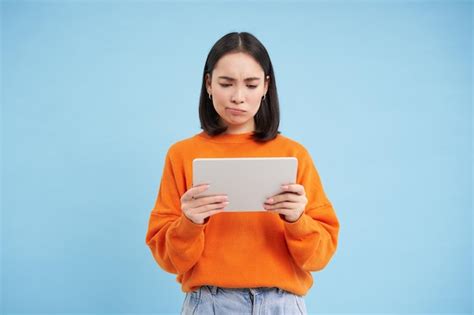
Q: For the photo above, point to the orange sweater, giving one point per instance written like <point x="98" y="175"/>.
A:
<point x="240" y="249"/>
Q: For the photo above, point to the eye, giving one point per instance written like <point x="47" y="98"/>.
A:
<point x="226" y="85"/>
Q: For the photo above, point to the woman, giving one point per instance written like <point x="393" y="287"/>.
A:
<point x="241" y="262"/>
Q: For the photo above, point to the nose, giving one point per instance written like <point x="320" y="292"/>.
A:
<point x="238" y="97"/>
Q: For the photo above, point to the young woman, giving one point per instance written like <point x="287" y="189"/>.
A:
<point x="241" y="262"/>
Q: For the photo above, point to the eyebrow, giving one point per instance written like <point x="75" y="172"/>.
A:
<point x="232" y="79"/>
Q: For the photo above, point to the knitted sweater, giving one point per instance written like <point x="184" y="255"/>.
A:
<point x="240" y="249"/>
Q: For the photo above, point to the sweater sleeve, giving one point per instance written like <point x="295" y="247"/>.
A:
<point x="176" y="242"/>
<point x="312" y="239"/>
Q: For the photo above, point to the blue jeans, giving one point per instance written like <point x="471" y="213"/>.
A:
<point x="226" y="301"/>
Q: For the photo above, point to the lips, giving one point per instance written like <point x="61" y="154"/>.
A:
<point x="236" y="109"/>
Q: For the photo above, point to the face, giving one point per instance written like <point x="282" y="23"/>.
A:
<point x="237" y="87"/>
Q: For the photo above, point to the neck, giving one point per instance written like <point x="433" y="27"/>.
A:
<point x="232" y="130"/>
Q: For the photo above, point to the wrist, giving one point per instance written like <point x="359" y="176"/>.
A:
<point x="291" y="219"/>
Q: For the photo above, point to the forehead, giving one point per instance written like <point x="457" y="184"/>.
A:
<point x="238" y="65"/>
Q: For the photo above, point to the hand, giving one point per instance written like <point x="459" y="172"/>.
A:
<point x="290" y="204"/>
<point x="198" y="209"/>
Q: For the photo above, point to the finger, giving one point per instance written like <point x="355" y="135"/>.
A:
<point x="209" y="207"/>
<point x="204" y="208"/>
<point x="283" y="197"/>
<point x="208" y="200"/>
<point x="294" y="188"/>
<point x="283" y="205"/>
<point x="188" y="195"/>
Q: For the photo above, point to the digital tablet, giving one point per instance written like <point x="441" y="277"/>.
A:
<point x="247" y="182"/>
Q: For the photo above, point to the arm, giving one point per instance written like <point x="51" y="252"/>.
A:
<point x="175" y="241"/>
<point x="312" y="239"/>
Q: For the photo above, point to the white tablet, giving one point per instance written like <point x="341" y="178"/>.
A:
<point x="247" y="182"/>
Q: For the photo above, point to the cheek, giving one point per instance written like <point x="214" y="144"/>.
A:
<point x="220" y="99"/>
<point x="255" y="99"/>
<point x="255" y="102"/>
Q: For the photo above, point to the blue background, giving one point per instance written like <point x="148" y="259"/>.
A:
<point x="94" y="93"/>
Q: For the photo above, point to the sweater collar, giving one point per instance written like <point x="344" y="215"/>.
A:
<point x="228" y="138"/>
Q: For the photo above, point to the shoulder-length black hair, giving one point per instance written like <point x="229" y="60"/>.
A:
<point x="267" y="118"/>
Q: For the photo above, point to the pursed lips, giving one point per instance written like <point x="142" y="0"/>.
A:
<point x="240" y="110"/>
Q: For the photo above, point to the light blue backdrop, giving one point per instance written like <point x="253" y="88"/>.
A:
<point x="94" y="93"/>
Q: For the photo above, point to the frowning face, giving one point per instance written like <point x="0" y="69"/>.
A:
<point x="237" y="88"/>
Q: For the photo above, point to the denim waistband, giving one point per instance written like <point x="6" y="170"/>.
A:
<point x="255" y="291"/>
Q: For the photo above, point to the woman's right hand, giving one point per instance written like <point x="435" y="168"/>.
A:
<point x="198" y="209"/>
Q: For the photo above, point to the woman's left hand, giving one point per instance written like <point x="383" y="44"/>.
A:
<point x="290" y="204"/>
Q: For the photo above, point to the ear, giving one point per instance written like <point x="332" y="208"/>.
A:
<point x="265" y="87"/>
<point x="208" y="83"/>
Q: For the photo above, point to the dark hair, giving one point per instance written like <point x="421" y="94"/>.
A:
<point x="267" y="118"/>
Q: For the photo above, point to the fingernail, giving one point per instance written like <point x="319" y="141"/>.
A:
<point x="269" y="200"/>
<point x="284" y="186"/>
